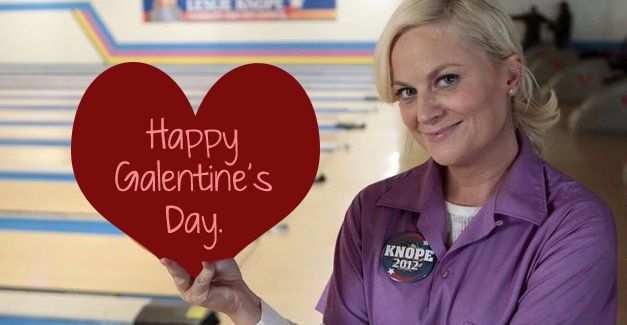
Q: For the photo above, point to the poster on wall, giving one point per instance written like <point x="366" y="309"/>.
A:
<point x="229" y="10"/>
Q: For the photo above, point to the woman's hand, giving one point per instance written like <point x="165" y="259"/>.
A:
<point x="219" y="286"/>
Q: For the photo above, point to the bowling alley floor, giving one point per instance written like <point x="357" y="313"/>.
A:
<point x="53" y="242"/>
<point x="64" y="261"/>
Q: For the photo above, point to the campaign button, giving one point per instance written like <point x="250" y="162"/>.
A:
<point x="407" y="257"/>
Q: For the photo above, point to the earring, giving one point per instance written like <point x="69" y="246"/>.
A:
<point x="512" y="91"/>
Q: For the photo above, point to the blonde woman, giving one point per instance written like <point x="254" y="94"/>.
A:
<point x="485" y="231"/>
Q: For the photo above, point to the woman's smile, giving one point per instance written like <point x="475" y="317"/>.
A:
<point x="441" y="134"/>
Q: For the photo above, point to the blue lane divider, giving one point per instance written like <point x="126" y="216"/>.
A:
<point x="46" y="6"/>
<point x="30" y="320"/>
<point x="52" y="225"/>
<point x="35" y="142"/>
<point x="37" y="176"/>
<point x="328" y="127"/>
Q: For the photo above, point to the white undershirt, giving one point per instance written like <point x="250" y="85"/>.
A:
<point x="457" y="218"/>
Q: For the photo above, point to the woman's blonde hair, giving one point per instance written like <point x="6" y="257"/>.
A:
<point x="485" y="25"/>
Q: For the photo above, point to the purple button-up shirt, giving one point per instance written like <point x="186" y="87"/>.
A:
<point x="542" y="250"/>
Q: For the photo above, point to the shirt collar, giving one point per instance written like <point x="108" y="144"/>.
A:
<point x="521" y="195"/>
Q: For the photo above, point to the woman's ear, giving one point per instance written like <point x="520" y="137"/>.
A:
<point x="514" y="71"/>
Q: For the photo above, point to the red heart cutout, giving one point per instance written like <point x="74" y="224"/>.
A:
<point x="197" y="187"/>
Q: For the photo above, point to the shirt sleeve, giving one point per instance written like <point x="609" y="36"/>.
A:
<point x="574" y="281"/>
<point x="344" y="300"/>
<point x="269" y="316"/>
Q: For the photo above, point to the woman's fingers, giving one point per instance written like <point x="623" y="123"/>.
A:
<point x="182" y="280"/>
<point x="198" y="293"/>
<point x="219" y="286"/>
<point x="228" y="269"/>
<point x="227" y="264"/>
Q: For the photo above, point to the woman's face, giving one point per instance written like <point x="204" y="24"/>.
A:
<point x="452" y="99"/>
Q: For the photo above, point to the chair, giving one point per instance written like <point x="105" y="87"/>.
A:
<point x="579" y="81"/>
<point x="552" y="63"/>
<point x="604" y="111"/>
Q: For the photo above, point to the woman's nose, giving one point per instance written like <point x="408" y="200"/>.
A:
<point x="428" y="110"/>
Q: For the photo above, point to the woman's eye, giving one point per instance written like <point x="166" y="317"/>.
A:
<point x="405" y="93"/>
<point x="447" y="80"/>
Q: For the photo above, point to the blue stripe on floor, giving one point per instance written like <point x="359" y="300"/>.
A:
<point x="324" y="127"/>
<point x="51" y="225"/>
<point x="28" y="320"/>
<point x="34" y="142"/>
<point x="37" y="176"/>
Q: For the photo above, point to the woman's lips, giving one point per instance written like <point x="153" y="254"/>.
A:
<point x="441" y="134"/>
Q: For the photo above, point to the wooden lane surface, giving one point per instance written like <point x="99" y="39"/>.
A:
<point x="289" y="270"/>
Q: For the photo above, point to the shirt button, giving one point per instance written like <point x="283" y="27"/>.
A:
<point x="498" y="222"/>
<point x="445" y="273"/>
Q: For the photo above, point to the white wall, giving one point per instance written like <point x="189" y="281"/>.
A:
<point x="34" y="37"/>
<point x="54" y="36"/>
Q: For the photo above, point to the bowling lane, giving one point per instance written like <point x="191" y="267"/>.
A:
<point x="15" y="115"/>
<point x="44" y="219"/>
<point x="27" y="132"/>
<point x="34" y="150"/>
<point x="45" y="196"/>
<point x="34" y="158"/>
<point x="70" y="308"/>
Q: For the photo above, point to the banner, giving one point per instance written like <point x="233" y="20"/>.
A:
<point x="229" y="10"/>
